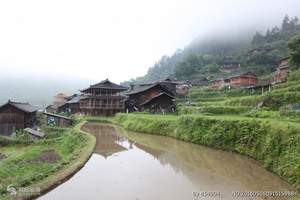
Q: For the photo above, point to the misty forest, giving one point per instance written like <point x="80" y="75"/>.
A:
<point x="202" y="58"/>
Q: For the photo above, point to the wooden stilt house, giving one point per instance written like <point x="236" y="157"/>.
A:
<point x="156" y="98"/>
<point x="104" y="98"/>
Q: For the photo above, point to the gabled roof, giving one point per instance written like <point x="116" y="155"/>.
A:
<point x="61" y="95"/>
<point x="234" y="74"/>
<point x="157" y="96"/>
<point x="240" y="73"/>
<point x="58" y="116"/>
<point x="166" y="80"/>
<point x="75" y="98"/>
<point x="283" y="67"/>
<point x="25" y="107"/>
<point x="284" y="58"/>
<point x="106" y="84"/>
<point x="142" y="88"/>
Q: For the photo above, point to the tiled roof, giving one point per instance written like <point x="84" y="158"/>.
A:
<point x="106" y="84"/>
<point x="58" y="116"/>
<point x="156" y="96"/>
<point x="25" y="107"/>
<point x="284" y="58"/>
<point x="76" y="98"/>
<point x="234" y="74"/>
<point x="142" y="88"/>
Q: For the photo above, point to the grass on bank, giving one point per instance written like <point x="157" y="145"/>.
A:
<point x="277" y="147"/>
<point x="262" y="126"/>
<point x="44" y="163"/>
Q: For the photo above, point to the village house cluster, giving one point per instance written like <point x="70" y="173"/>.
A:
<point x="102" y="99"/>
<point x="234" y="77"/>
<point x="107" y="98"/>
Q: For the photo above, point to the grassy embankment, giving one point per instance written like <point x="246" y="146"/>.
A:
<point x="42" y="164"/>
<point x="265" y="127"/>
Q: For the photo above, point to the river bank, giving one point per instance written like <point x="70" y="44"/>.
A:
<point x="32" y="168"/>
<point x="128" y="165"/>
<point x="275" y="146"/>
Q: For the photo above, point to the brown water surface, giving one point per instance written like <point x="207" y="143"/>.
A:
<point x="134" y="166"/>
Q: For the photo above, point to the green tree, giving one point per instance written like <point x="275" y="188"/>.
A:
<point x="285" y="24"/>
<point x="257" y="38"/>
<point x="294" y="47"/>
<point x="189" y="66"/>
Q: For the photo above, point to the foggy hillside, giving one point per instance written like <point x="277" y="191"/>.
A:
<point x="38" y="91"/>
<point x="202" y="58"/>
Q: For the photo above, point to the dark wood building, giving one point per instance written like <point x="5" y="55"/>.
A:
<point x="167" y="83"/>
<point x="58" y="120"/>
<point x="72" y="105"/>
<point x="217" y="83"/>
<point x="282" y="70"/>
<point x="245" y="79"/>
<point x="104" y="98"/>
<point x="59" y="100"/>
<point x="160" y="104"/>
<point x="15" y="116"/>
<point x="156" y="97"/>
<point x="236" y="80"/>
<point x="182" y="89"/>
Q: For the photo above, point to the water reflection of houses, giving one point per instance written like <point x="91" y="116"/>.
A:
<point x="108" y="141"/>
<point x="215" y="168"/>
<point x="156" y="153"/>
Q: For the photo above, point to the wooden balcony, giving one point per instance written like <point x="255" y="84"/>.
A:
<point x="106" y="97"/>
<point x="102" y="107"/>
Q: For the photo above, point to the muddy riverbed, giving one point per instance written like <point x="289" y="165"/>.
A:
<point x="134" y="166"/>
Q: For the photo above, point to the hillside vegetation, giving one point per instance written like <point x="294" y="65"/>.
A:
<point x="263" y="126"/>
<point x="203" y="58"/>
<point x="281" y="101"/>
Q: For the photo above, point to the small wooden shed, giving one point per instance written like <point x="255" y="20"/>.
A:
<point x="15" y="116"/>
<point x="58" y="120"/>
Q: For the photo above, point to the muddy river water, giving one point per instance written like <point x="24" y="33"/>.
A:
<point x="134" y="166"/>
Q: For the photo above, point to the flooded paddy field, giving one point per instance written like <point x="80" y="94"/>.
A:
<point x="135" y="166"/>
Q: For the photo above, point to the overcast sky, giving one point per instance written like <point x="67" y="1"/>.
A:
<point x="117" y="39"/>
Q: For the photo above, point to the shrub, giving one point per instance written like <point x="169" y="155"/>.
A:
<point x="183" y="110"/>
<point x="262" y="114"/>
<point x="225" y="109"/>
<point x="292" y="111"/>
